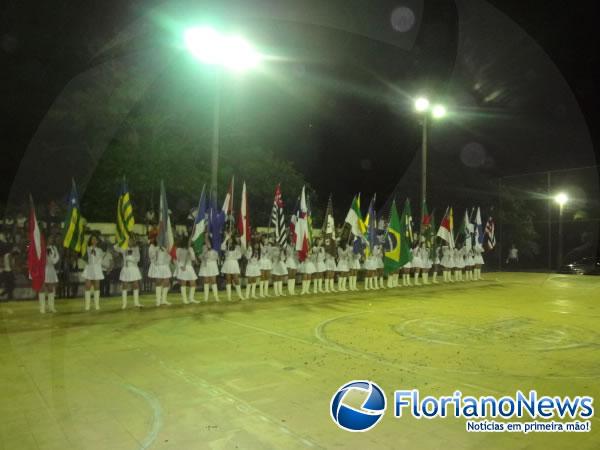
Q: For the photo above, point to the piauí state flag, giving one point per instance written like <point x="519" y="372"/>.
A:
<point x="200" y="224"/>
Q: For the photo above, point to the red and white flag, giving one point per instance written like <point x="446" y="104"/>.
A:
<point x="301" y="228"/>
<point x="36" y="255"/>
<point x="243" y="223"/>
<point x="446" y="230"/>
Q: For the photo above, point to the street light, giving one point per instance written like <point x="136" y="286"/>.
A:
<point x="423" y="107"/>
<point x="561" y="199"/>
<point x="229" y="52"/>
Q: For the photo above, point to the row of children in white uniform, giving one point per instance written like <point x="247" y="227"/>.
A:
<point x="264" y="262"/>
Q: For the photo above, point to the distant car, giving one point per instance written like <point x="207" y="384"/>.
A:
<point x="583" y="266"/>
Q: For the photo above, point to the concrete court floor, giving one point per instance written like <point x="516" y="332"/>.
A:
<point x="260" y="374"/>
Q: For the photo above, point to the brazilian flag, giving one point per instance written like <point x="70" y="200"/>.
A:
<point x="74" y="225"/>
<point x="125" y="220"/>
<point x="393" y="239"/>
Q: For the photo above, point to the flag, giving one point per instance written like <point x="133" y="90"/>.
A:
<point x="371" y="223"/>
<point x="354" y="217"/>
<point x="466" y="231"/>
<point x="228" y="202"/>
<point x="426" y="230"/>
<point x="391" y="260"/>
<point x="74" y="224"/>
<point x="490" y="236"/>
<point x="216" y="222"/>
<point x="165" y="231"/>
<point x="228" y="206"/>
<point x="198" y="235"/>
<point x="478" y="228"/>
<point x="294" y="221"/>
<point x="36" y="254"/>
<point x="278" y="218"/>
<point x="446" y="230"/>
<point x="125" y="220"/>
<point x="243" y="224"/>
<point x="328" y="222"/>
<point x="406" y="233"/>
<point x="407" y="222"/>
<point x="301" y="228"/>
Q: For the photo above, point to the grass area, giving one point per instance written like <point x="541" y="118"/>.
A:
<point x="261" y="373"/>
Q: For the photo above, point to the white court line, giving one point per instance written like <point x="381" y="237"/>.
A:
<point x="156" y="416"/>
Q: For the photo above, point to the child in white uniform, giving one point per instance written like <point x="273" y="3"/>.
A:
<point x="209" y="270"/>
<point x="231" y="266"/>
<point x="160" y="270"/>
<point x="185" y="272"/>
<point x="130" y="275"/>
<point x="92" y="274"/>
<point x="50" y="280"/>
<point x="253" y="269"/>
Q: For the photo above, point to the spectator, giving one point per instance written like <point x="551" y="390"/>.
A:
<point x="8" y="276"/>
<point x="513" y="255"/>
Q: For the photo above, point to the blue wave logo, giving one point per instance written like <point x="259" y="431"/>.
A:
<point x="371" y="411"/>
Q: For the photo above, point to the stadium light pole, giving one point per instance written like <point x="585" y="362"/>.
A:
<point x="226" y="52"/>
<point x="561" y="199"/>
<point x="437" y="112"/>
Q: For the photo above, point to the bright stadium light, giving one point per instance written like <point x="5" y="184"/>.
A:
<point x="438" y="111"/>
<point x="561" y="198"/>
<point x="229" y="51"/>
<point x="421" y="104"/>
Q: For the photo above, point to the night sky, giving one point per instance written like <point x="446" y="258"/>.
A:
<point x="339" y="105"/>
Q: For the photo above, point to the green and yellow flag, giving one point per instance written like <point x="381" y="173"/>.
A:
<point x="74" y="225"/>
<point x="407" y="234"/>
<point x="125" y="220"/>
<point x="393" y="239"/>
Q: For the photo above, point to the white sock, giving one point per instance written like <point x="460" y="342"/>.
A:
<point x="292" y="286"/>
<point x="158" y="290"/>
<point x="267" y="288"/>
<point x="261" y="288"/>
<point x="136" y="297"/>
<point x="165" y="292"/>
<point x="97" y="300"/>
<point x="124" y="297"/>
<point x="51" y="301"/>
<point x="238" y="290"/>
<point x="315" y="286"/>
<point x="206" y="291"/>
<point x="87" y="297"/>
<point x="320" y="283"/>
<point x="42" y="300"/>
<point x="215" y="290"/>
<point x="248" y="288"/>
<point x="192" y="293"/>
<point x="228" y="290"/>
<point x="416" y="276"/>
<point x="183" y="290"/>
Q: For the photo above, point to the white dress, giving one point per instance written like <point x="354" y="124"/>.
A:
<point x="265" y="257"/>
<point x="329" y="262"/>
<point x="342" y="264"/>
<point x="208" y="263"/>
<point x="417" y="261"/>
<point x="160" y="263"/>
<point x="355" y="260"/>
<point x="447" y="260"/>
<point x="469" y="260"/>
<point x="93" y="269"/>
<point x="478" y="252"/>
<point x="425" y="258"/>
<point x="253" y="266"/>
<point x="52" y="258"/>
<point x="231" y="266"/>
<point x="130" y="271"/>
<point x="372" y="262"/>
<point x="321" y="266"/>
<point x="184" y="264"/>
<point x="310" y="263"/>
<point x="291" y="258"/>
<point x="459" y="259"/>
<point x="278" y="261"/>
